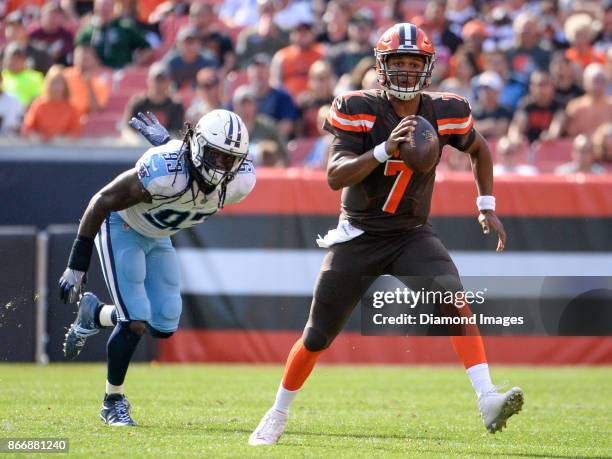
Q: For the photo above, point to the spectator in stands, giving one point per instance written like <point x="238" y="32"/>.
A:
<point x="157" y="100"/>
<point x="492" y="118"/>
<point x="461" y="84"/>
<point x="602" y="144"/>
<point x="51" y="35"/>
<point x="89" y="88"/>
<point x="539" y="116"/>
<point x="352" y="81"/>
<point x="209" y="95"/>
<point x="188" y="58"/>
<point x="583" y="159"/>
<point x="335" y="23"/>
<point x="266" y="146"/>
<point x="563" y="74"/>
<point x="289" y="68"/>
<point x="346" y="55"/>
<point x="580" y="32"/>
<point x="169" y="8"/>
<point x="609" y="72"/>
<point x="320" y="92"/>
<point x="603" y="40"/>
<point x="370" y="80"/>
<point x="202" y="18"/>
<point x="52" y="115"/>
<point x="117" y="41"/>
<point x="274" y="102"/>
<point x="474" y="34"/>
<point x="527" y="54"/>
<point x="15" y="31"/>
<point x="587" y="112"/>
<point x="291" y="13"/>
<point x="438" y="28"/>
<point x="239" y="13"/>
<point x="508" y="154"/>
<point x="458" y="12"/>
<point x="319" y="153"/>
<point x="263" y="37"/>
<point x="512" y="90"/>
<point x="11" y="112"/>
<point x="22" y="82"/>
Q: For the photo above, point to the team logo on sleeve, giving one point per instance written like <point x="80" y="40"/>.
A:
<point x="143" y="171"/>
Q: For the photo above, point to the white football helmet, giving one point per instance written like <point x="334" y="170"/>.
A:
<point x="219" y="144"/>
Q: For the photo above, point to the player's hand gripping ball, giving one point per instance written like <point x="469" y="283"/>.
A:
<point x="420" y="151"/>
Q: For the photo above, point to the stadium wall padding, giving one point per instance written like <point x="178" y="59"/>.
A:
<point x="17" y="293"/>
<point x="248" y="272"/>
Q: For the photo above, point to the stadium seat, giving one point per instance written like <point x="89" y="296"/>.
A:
<point x="102" y="124"/>
<point x="131" y="79"/>
<point x="235" y="79"/>
<point x="118" y="100"/>
<point x="298" y="149"/>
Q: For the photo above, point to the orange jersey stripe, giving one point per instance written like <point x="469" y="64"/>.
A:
<point x="444" y="121"/>
<point x="454" y="131"/>
<point x="357" y="117"/>
<point x="346" y="127"/>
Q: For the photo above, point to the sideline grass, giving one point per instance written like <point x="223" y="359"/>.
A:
<point x="209" y="411"/>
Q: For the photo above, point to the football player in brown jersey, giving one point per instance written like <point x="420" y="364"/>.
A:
<point x="383" y="225"/>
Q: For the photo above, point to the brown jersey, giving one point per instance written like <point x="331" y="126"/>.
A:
<point x="392" y="198"/>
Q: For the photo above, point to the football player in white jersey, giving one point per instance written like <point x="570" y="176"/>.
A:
<point x="175" y="185"/>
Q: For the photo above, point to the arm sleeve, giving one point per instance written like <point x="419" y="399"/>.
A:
<point x="349" y="129"/>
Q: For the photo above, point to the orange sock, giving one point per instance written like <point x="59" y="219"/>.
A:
<point x="470" y="349"/>
<point x="299" y="365"/>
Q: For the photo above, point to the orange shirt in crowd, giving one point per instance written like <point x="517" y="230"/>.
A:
<point x="294" y="66"/>
<point x="79" y="94"/>
<point x="50" y="118"/>
<point x="146" y="7"/>
<point x="585" y="59"/>
<point x="12" y="5"/>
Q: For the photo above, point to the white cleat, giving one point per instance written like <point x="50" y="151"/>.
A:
<point x="496" y="408"/>
<point x="270" y="428"/>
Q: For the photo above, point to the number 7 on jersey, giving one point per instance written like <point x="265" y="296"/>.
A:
<point x="404" y="174"/>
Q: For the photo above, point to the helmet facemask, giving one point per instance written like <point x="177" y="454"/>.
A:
<point x="213" y="166"/>
<point x="393" y="80"/>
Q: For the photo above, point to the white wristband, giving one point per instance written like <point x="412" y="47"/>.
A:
<point x="380" y="152"/>
<point x="485" y="202"/>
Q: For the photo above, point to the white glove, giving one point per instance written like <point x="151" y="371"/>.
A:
<point x="71" y="284"/>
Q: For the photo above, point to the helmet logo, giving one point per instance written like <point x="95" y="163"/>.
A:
<point x="233" y="139"/>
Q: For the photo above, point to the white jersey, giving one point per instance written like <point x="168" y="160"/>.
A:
<point x="164" y="177"/>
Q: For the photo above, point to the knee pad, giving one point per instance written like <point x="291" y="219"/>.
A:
<point x="155" y="333"/>
<point x="124" y="333"/>
<point x="137" y="327"/>
<point x="315" y="339"/>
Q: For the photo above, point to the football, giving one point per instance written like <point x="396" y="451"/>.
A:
<point x="421" y="152"/>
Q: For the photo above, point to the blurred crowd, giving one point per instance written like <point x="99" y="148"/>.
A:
<point x="538" y="74"/>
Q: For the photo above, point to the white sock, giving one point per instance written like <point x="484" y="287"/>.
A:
<point x="284" y="398"/>
<point x="110" y="389"/>
<point x="105" y="315"/>
<point x="480" y="378"/>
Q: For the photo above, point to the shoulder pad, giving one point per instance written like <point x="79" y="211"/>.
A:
<point x="353" y="111"/>
<point x="453" y="112"/>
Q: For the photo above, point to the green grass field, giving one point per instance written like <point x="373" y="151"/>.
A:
<point x="209" y="411"/>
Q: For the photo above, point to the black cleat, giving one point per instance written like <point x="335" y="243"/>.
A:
<point x="115" y="411"/>
<point x="83" y="327"/>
